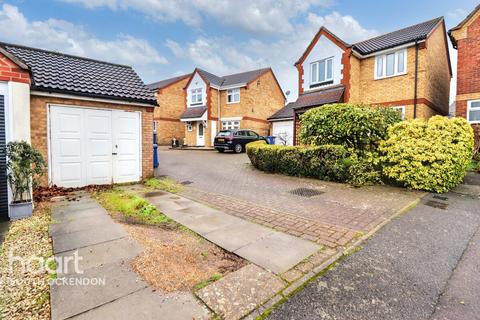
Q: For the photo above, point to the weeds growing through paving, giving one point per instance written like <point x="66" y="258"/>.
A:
<point x="164" y="184"/>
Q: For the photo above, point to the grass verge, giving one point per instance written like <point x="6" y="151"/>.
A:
<point x="164" y="184"/>
<point x="133" y="208"/>
<point x="25" y="294"/>
<point x="474" y="166"/>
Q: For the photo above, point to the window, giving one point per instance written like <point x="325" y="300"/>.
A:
<point x="473" y="111"/>
<point x="189" y="126"/>
<point x="196" y="96"/>
<point x="391" y="64"/>
<point x="233" y="95"/>
<point x="229" y="125"/>
<point x="401" y="110"/>
<point x="252" y="134"/>
<point x="322" y="71"/>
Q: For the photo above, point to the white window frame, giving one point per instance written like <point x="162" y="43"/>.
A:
<point x="233" y="93"/>
<point x="197" y="93"/>
<point x="383" y="57"/>
<point x="469" y="107"/>
<point x="189" y="127"/>
<point x="317" y="64"/>
<point x="401" y="109"/>
<point x="230" y="124"/>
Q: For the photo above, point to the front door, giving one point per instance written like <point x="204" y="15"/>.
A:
<point x="200" y="134"/>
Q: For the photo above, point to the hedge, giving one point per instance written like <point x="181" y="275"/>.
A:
<point x="326" y="162"/>
<point x="430" y="155"/>
<point x="356" y="126"/>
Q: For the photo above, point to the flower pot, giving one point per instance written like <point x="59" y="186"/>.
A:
<point x="21" y="210"/>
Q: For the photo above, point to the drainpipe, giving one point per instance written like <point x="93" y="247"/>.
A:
<point x="416" y="82"/>
<point x="219" y="123"/>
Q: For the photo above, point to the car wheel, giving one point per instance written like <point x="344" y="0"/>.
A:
<point x="238" y="148"/>
<point x="220" y="150"/>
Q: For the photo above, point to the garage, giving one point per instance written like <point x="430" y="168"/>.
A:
<point x="283" y="131"/>
<point x="94" y="146"/>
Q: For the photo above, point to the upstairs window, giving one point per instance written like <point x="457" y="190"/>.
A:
<point x="196" y="96"/>
<point x="321" y="71"/>
<point x="473" y="111"/>
<point x="391" y="64"/>
<point x="233" y="95"/>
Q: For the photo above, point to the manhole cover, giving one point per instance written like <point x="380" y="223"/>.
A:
<point x="306" y="192"/>
<point x="436" y="204"/>
<point x="154" y="194"/>
<point x="186" y="182"/>
<point x="440" y="197"/>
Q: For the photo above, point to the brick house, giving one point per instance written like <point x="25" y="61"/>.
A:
<point x="212" y="103"/>
<point x="170" y="95"/>
<point x="91" y="120"/>
<point x="408" y="69"/>
<point x="465" y="38"/>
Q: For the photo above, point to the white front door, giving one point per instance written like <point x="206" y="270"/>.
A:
<point x="92" y="146"/>
<point x="200" y="134"/>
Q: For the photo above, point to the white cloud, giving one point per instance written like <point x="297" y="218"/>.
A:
<point x="175" y="47"/>
<point x="265" y="16"/>
<point x="63" y="36"/>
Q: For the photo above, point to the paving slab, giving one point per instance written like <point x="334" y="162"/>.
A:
<point x="66" y="214"/>
<point x="75" y="224"/>
<point x="278" y="252"/>
<point x="84" y="238"/>
<point x="149" y="305"/>
<point x="101" y="254"/>
<point x="70" y="300"/>
<point x="204" y="224"/>
<point x="240" y="292"/>
<point x="235" y="236"/>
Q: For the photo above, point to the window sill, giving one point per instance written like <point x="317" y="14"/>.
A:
<point x="388" y="77"/>
<point x="236" y="102"/>
<point x="196" y="104"/>
<point x="321" y="84"/>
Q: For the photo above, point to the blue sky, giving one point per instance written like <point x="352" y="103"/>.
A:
<point x="164" y="38"/>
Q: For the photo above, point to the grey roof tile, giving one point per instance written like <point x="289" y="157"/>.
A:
<point x="232" y="79"/>
<point x="163" y="83"/>
<point x="62" y="73"/>
<point x="284" y="113"/>
<point x="193" y="112"/>
<point x="396" y="38"/>
<point x="319" y="97"/>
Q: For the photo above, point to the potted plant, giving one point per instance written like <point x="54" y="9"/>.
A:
<point x="24" y="165"/>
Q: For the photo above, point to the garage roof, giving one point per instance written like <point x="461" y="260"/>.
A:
<point x="63" y="73"/>
<point x="284" y="113"/>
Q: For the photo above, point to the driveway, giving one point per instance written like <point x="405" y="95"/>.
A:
<point x="328" y="213"/>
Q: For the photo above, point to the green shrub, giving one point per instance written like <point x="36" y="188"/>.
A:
<point x="356" y="126"/>
<point x="429" y="155"/>
<point x="326" y="162"/>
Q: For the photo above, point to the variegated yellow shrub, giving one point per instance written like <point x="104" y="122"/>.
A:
<point x="430" y="155"/>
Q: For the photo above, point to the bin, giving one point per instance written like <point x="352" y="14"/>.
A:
<point x="271" y="139"/>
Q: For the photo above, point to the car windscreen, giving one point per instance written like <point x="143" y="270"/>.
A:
<point x="224" y="134"/>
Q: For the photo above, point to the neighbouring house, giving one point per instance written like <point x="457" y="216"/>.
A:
<point x="91" y="120"/>
<point x="465" y="38"/>
<point x="408" y="69"/>
<point x="170" y="95"/>
<point x="242" y="100"/>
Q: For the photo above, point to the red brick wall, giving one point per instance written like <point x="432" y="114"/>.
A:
<point x="9" y="71"/>
<point x="468" y="70"/>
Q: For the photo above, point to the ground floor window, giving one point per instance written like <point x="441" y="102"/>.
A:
<point x="401" y="110"/>
<point x="231" y="124"/>
<point x="473" y="111"/>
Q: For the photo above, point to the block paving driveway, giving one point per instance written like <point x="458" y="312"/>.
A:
<point x="333" y="217"/>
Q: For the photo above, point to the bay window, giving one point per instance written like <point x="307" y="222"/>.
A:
<point x="391" y="64"/>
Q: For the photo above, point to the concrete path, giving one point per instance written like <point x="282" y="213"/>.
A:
<point x="103" y="286"/>
<point x="272" y="250"/>
<point x="423" y="265"/>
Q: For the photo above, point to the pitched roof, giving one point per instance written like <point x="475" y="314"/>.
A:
<point x="319" y="97"/>
<point x="193" y="112"/>
<point x="62" y="73"/>
<point x="396" y="38"/>
<point x="284" y="113"/>
<point x="461" y="24"/>
<point x="164" y="83"/>
<point x="232" y="79"/>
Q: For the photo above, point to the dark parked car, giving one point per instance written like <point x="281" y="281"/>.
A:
<point x="235" y="140"/>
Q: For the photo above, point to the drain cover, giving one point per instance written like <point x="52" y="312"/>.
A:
<point x="436" y="204"/>
<point x="440" y="197"/>
<point x="306" y="192"/>
<point x="186" y="182"/>
<point x="154" y="194"/>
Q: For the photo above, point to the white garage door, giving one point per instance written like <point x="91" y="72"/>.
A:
<point x="283" y="131"/>
<point x="91" y="146"/>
